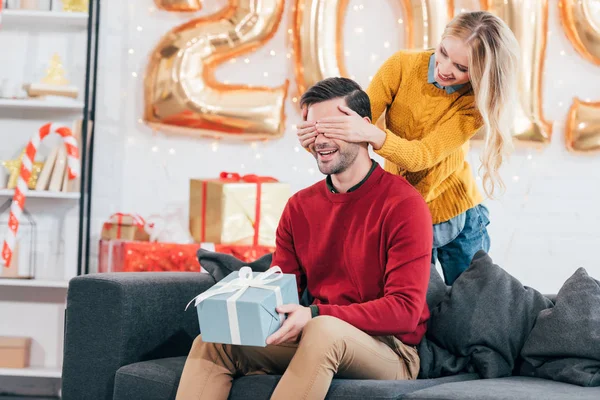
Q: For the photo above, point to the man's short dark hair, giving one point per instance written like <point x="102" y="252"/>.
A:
<point x="333" y="88"/>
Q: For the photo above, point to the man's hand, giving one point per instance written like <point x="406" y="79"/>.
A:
<point x="298" y="317"/>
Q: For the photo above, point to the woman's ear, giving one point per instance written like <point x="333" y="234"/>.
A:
<point x="367" y="119"/>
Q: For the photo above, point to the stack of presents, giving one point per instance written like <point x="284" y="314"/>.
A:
<point x="231" y="214"/>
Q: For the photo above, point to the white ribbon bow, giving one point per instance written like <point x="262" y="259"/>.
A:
<point x="238" y="286"/>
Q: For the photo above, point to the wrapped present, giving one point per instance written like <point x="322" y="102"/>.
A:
<point x="246" y="254"/>
<point x="234" y="209"/>
<point x="241" y="308"/>
<point x="130" y="256"/>
<point x="125" y="227"/>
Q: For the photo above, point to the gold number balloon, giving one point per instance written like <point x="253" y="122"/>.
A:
<point x="581" y="21"/>
<point x="318" y="34"/>
<point x="178" y="5"/>
<point x="182" y="95"/>
<point x="528" y="19"/>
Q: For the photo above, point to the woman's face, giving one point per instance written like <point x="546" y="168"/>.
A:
<point x="451" y="62"/>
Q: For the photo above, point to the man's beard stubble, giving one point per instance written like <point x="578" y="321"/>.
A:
<point x="345" y="158"/>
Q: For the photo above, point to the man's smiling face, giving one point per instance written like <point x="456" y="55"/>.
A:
<point x="333" y="156"/>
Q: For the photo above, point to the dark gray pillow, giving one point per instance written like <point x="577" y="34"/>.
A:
<point x="437" y="289"/>
<point x="564" y="344"/>
<point x="220" y="265"/>
<point x="485" y="319"/>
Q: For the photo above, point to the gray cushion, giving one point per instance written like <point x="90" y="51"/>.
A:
<point x="262" y="386"/>
<point x="481" y="324"/>
<point x="149" y="380"/>
<point x="564" y="344"/>
<point x="511" y="388"/>
<point x="158" y="380"/>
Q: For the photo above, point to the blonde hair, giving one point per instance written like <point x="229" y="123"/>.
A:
<point x="493" y="67"/>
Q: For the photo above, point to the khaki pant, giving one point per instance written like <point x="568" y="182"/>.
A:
<point x="328" y="347"/>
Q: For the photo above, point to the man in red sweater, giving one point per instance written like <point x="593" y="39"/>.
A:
<point x="360" y="242"/>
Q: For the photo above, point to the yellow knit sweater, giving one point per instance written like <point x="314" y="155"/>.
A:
<point x="427" y="133"/>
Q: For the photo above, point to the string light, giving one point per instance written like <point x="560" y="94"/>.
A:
<point x="151" y="9"/>
<point x="563" y="53"/>
<point x="311" y="171"/>
<point x="266" y="74"/>
<point x="294" y="99"/>
<point x="258" y="156"/>
<point x="155" y="149"/>
<point x="400" y="21"/>
<point x="247" y="60"/>
<point x="347" y="53"/>
<point x="233" y="60"/>
<point x="243" y="166"/>
<point x="272" y="52"/>
<point x="560" y="103"/>
<point x="215" y="146"/>
<point x="140" y="121"/>
<point x="294" y="126"/>
<point x="297" y="149"/>
<point x="290" y="31"/>
<point x="131" y="51"/>
<point x="361" y="6"/>
<point x="139" y="28"/>
<point x="370" y="78"/>
<point x="355" y="8"/>
<point x="134" y="74"/>
<point x="582" y="125"/>
<point x="172" y="151"/>
<point x="386" y="45"/>
<point x="288" y="55"/>
<point x="516" y="178"/>
<point x="529" y="156"/>
<point x="254" y="145"/>
<point x="359" y="30"/>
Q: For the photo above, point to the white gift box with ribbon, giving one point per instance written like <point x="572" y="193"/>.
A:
<point x="241" y="308"/>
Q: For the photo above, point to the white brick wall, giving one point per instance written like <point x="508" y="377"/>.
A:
<point x="543" y="228"/>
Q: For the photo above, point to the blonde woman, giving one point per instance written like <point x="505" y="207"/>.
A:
<point x="436" y="101"/>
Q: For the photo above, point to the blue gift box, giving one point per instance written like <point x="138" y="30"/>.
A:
<point x="241" y="308"/>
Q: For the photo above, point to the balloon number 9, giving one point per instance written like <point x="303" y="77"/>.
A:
<point x="182" y="95"/>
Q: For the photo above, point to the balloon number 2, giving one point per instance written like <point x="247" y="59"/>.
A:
<point x="182" y="95"/>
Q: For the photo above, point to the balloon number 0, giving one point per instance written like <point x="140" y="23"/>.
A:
<point x="182" y="95"/>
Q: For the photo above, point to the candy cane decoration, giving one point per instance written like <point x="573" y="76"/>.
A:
<point x="18" y="203"/>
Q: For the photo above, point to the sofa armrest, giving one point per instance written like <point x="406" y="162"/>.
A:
<point x="117" y="319"/>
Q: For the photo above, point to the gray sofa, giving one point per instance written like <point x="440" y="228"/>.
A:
<point x="127" y="337"/>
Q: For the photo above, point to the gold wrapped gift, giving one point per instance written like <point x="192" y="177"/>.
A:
<point x="224" y="210"/>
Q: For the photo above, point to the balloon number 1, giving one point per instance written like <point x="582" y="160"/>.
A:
<point x="182" y="95"/>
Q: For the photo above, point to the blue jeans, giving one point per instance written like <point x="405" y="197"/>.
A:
<point x="456" y="241"/>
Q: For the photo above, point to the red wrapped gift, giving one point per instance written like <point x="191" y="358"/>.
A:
<point x="245" y="253"/>
<point x="130" y="256"/>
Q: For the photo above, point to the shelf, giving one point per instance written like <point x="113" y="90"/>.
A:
<point x="42" y="194"/>
<point x="32" y="372"/>
<point x="38" y="283"/>
<point x="35" y="104"/>
<point x="23" y="19"/>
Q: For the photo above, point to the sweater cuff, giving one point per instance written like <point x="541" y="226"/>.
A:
<point x="388" y="150"/>
<point x="314" y="311"/>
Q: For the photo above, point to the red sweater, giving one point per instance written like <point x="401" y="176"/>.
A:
<point x="364" y="255"/>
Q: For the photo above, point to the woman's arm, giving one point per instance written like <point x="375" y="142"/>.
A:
<point x="417" y="155"/>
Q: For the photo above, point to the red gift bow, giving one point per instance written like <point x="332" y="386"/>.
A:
<point x="233" y="177"/>
<point x="137" y="221"/>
